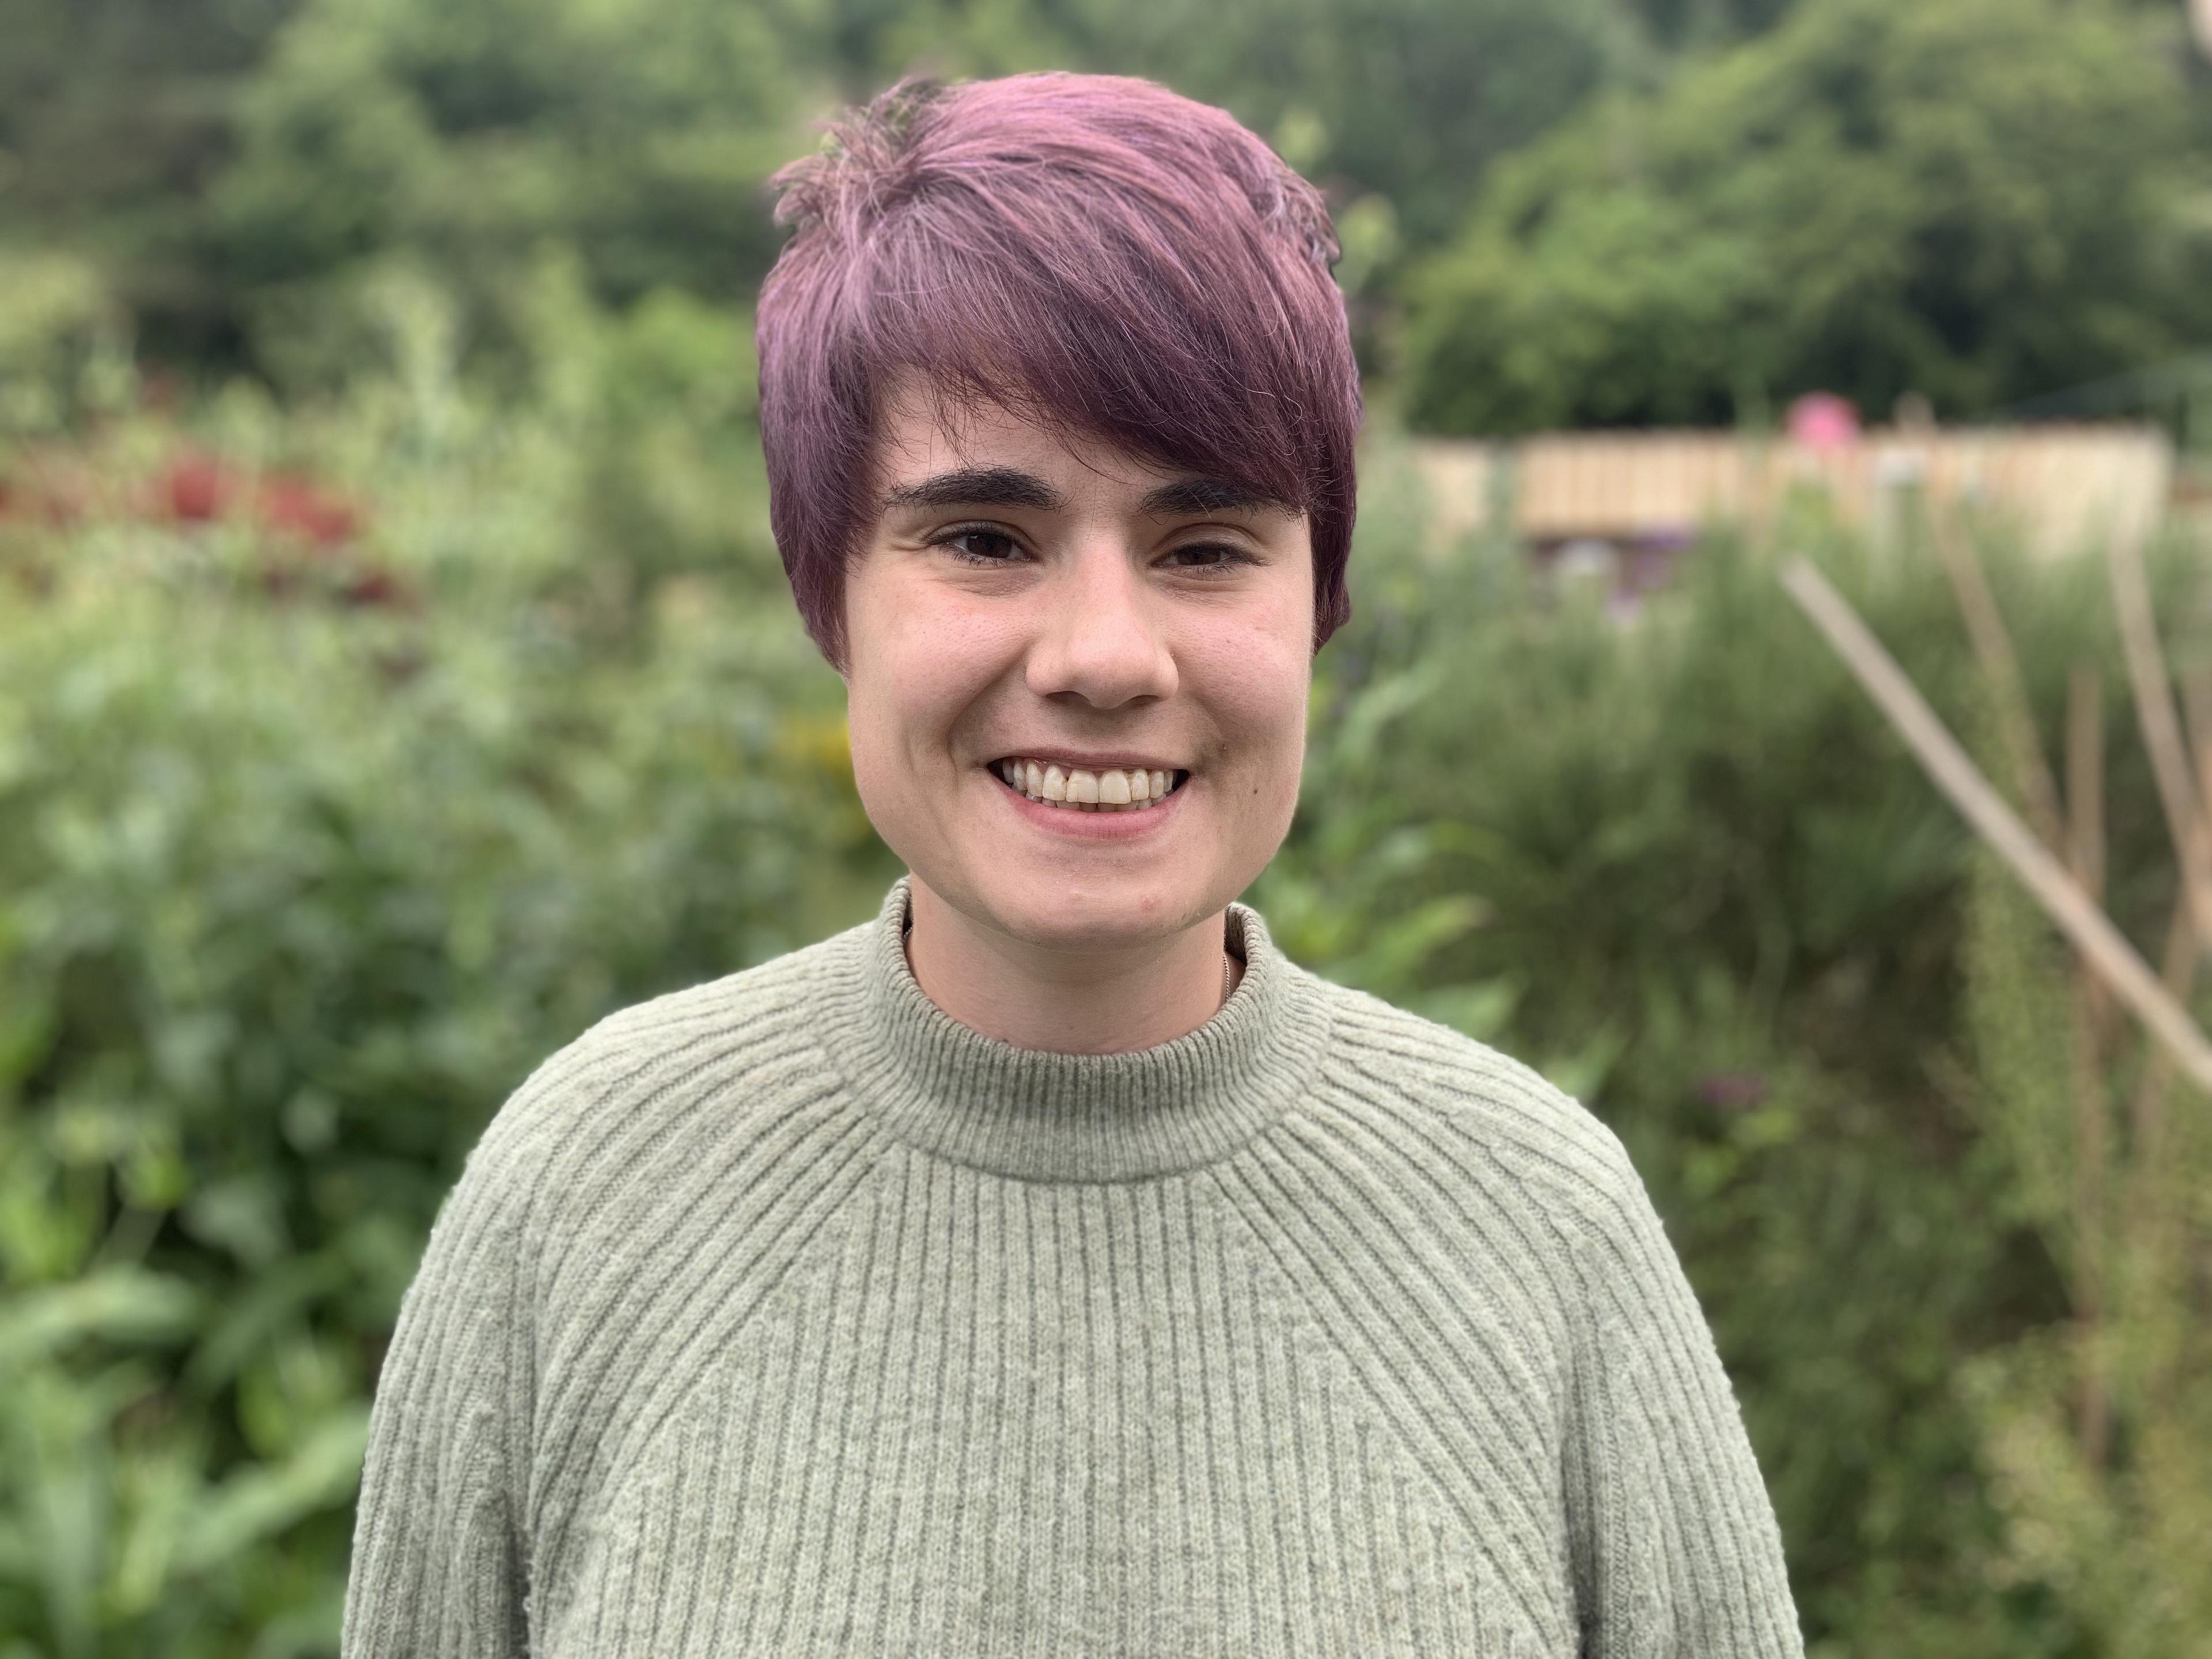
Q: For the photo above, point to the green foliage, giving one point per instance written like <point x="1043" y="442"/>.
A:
<point x="468" y="138"/>
<point x="114" y="118"/>
<point x="299" y="874"/>
<point x="62" y="352"/>
<point x="2113" y="1520"/>
<point x="1980" y="200"/>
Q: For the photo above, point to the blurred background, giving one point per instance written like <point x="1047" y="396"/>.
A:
<point x="395" y="675"/>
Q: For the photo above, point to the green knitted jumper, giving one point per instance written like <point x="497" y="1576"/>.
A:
<point x="785" y="1315"/>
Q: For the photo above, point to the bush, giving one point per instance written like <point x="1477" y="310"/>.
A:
<point x="299" y="873"/>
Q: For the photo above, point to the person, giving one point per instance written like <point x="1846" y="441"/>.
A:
<point x="1050" y="1266"/>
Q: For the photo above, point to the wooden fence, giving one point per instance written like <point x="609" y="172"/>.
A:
<point x="2063" y="487"/>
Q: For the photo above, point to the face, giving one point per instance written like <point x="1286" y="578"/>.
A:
<point x="1077" y="683"/>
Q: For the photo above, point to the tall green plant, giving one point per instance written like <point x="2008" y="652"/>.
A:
<point x="2114" y="1526"/>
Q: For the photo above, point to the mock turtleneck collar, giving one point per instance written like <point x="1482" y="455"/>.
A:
<point x="1035" y="1115"/>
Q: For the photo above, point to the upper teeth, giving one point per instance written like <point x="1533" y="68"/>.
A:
<point x="1106" y="791"/>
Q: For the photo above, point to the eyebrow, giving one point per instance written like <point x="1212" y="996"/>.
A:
<point x="978" y="486"/>
<point x="1188" y="497"/>
<point x="1007" y="486"/>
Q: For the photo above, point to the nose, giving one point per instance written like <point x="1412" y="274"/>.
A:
<point x="1101" y="638"/>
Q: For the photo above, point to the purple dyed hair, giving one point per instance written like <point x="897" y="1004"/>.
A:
<point x="1092" y="253"/>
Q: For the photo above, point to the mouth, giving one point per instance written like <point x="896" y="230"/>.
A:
<point x="1089" y="788"/>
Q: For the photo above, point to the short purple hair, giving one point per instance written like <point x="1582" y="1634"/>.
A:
<point x="1092" y="252"/>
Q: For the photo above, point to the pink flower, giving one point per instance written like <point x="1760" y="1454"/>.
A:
<point x="1821" y="420"/>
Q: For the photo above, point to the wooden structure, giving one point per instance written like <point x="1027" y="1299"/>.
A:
<point x="2064" y="487"/>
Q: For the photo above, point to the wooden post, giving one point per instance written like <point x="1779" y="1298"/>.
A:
<point x="2001" y="663"/>
<point x="1957" y="776"/>
<point x="2177" y="791"/>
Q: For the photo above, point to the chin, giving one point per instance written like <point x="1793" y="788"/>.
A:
<point x="1094" y="914"/>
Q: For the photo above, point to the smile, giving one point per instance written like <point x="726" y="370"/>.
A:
<point x="1110" y="789"/>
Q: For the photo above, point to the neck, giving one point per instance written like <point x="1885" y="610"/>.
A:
<point x="1077" y="1002"/>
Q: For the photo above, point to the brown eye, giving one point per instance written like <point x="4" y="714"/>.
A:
<point x="981" y="546"/>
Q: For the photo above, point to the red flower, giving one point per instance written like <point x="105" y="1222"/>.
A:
<point x="298" y="507"/>
<point x="200" y="488"/>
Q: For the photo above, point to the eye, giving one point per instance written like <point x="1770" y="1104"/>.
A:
<point x="1206" y="555"/>
<point x="979" y="544"/>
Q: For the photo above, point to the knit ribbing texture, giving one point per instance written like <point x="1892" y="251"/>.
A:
<point x="787" y="1316"/>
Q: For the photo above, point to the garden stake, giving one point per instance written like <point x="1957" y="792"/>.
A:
<point x="2161" y="729"/>
<point x="1957" y="776"/>
<point x="2001" y="663"/>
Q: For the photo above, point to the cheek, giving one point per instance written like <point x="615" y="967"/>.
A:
<point x="873" y="742"/>
<point x="1255" y="683"/>
<point x="918" y="660"/>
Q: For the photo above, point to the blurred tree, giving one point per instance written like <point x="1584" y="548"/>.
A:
<point x="1982" y="200"/>
<point x="468" y="137"/>
<point x="113" y="119"/>
<point x="1695" y="23"/>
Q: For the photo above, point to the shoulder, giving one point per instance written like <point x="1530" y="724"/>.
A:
<point x="1544" y="1147"/>
<point x="677" y="1076"/>
<point x="746" y="1013"/>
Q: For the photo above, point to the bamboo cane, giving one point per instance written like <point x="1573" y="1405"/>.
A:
<point x="1948" y="768"/>
<point x="2184" y="946"/>
<point x="2178" y="792"/>
<point x="2001" y="663"/>
<point x="2196" y="704"/>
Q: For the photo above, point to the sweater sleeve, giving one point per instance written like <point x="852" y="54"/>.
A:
<point x="438" y="1553"/>
<point x="1674" y="1547"/>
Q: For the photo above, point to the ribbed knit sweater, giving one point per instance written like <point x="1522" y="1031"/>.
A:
<point x="785" y="1315"/>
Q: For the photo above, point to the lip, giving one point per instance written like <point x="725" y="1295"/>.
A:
<point x="1091" y="826"/>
